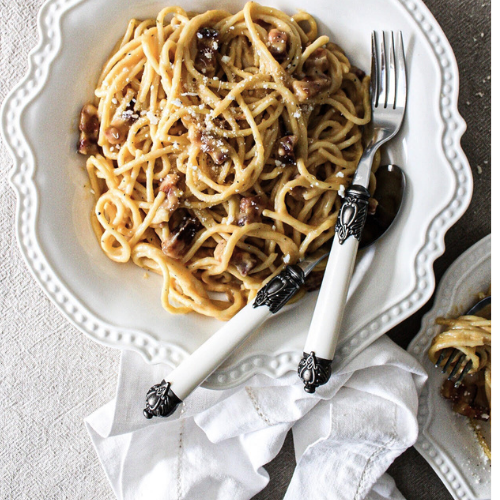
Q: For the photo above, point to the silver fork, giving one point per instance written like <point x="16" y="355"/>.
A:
<point x="388" y="98"/>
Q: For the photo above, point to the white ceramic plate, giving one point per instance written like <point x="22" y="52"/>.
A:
<point x="447" y="440"/>
<point x="113" y="303"/>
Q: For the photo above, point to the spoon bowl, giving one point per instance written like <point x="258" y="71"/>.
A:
<point x="389" y="193"/>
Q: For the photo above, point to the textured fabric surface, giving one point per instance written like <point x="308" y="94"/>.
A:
<point x="51" y="376"/>
<point x="219" y="442"/>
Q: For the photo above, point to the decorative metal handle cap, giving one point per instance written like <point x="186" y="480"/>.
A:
<point x="314" y="371"/>
<point x="161" y="401"/>
<point x="280" y="289"/>
<point x="353" y="212"/>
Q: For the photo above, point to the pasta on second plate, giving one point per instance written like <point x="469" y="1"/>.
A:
<point x="471" y="336"/>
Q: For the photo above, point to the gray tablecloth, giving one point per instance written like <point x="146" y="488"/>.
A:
<point x="51" y="376"/>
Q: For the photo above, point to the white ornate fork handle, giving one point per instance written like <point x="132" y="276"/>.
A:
<point x="388" y="95"/>
<point x="315" y="367"/>
<point x="163" y="398"/>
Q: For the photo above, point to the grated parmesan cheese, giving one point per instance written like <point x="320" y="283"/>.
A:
<point x="153" y="119"/>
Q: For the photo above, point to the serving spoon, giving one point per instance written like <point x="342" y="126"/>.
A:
<point x="162" y="399"/>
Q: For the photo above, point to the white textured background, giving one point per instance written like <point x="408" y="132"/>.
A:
<point x="51" y="376"/>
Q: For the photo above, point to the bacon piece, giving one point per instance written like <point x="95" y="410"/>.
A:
<point x="358" y="72"/>
<point x="286" y="153"/>
<point x="117" y="132"/>
<point x="243" y="261"/>
<point x="310" y="87"/>
<point x="183" y="230"/>
<point x="464" y="399"/>
<point x="169" y="186"/>
<point x="208" y="38"/>
<point x="115" y="135"/>
<point x="277" y="41"/>
<point x="207" y="45"/>
<point x="317" y="63"/>
<point x="89" y="130"/>
<point x="210" y="144"/>
<point x="251" y="209"/>
<point x="316" y="80"/>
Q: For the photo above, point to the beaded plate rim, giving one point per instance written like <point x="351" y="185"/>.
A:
<point x="155" y="351"/>
<point x="441" y="459"/>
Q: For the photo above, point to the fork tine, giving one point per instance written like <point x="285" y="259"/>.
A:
<point x="382" y="79"/>
<point x="457" y="366"/>
<point x="374" y="70"/>
<point x="401" y="73"/>
<point x="442" y="356"/>
<point x="466" y="370"/>
<point x="453" y="355"/>
<point x="391" y="74"/>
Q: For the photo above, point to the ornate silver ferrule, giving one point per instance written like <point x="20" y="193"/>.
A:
<point x="314" y="371"/>
<point x="353" y="212"/>
<point x="280" y="289"/>
<point x="161" y="401"/>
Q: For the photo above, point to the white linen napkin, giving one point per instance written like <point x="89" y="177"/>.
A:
<point x="216" y="445"/>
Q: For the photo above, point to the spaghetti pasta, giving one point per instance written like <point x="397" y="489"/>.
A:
<point x="471" y="335"/>
<point x="220" y="147"/>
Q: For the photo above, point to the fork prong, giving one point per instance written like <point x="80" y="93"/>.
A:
<point x="391" y="74"/>
<point x="374" y="70"/>
<point x="443" y="354"/>
<point x="382" y="79"/>
<point x="453" y="355"/>
<point x="457" y="366"/>
<point x="401" y="72"/>
<point x="466" y="370"/>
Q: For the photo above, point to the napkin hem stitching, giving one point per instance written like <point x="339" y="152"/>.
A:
<point x="179" y="460"/>
<point x="257" y="407"/>
<point x="375" y="454"/>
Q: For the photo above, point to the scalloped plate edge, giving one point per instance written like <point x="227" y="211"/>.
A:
<point x="155" y="351"/>
<point x="439" y="459"/>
